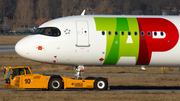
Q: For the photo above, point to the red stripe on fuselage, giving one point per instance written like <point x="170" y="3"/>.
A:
<point x="148" y="44"/>
<point x="143" y="58"/>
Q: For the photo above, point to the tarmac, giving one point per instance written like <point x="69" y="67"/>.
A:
<point x="6" y="49"/>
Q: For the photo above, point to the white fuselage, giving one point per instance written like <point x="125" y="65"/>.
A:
<point x="82" y="41"/>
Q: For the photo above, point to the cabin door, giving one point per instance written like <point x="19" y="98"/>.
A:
<point x="82" y="34"/>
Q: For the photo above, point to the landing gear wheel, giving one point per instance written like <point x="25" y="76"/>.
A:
<point x="100" y="84"/>
<point x="55" y="84"/>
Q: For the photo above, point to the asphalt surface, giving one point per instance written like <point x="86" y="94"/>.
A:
<point x="6" y="49"/>
<point x="165" y="90"/>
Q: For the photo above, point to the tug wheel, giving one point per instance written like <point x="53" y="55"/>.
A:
<point x="100" y="84"/>
<point x="55" y="84"/>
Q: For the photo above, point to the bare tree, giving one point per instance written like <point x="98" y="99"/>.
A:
<point x="55" y="9"/>
<point x="42" y="9"/>
<point x="104" y="7"/>
<point x="68" y="7"/>
<point x="24" y="12"/>
<point x="29" y="12"/>
<point x="87" y="5"/>
<point x="126" y="7"/>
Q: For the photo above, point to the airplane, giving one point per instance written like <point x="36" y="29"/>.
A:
<point x="105" y="40"/>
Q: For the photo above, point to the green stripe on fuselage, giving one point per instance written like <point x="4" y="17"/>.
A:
<point x="130" y="49"/>
<point x="107" y="24"/>
<point x="116" y="45"/>
<point x="134" y="27"/>
<point x="112" y="56"/>
<point x="122" y="26"/>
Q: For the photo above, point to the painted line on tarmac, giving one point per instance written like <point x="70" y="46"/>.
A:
<point x="112" y="74"/>
<point x="5" y="49"/>
<point x="119" y="74"/>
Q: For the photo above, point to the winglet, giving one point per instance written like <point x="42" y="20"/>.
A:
<point x="82" y="14"/>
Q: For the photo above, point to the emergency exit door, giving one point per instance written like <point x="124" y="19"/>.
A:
<point x="82" y="34"/>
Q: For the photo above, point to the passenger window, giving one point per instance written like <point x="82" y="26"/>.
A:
<point x="122" y="33"/>
<point x="135" y="33"/>
<point x="129" y="33"/>
<point x="109" y="32"/>
<point x="49" y="31"/>
<point x="162" y="33"/>
<point x="155" y="33"/>
<point x="116" y="33"/>
<point x="103" y="33"/>
<point x="142" y="33"/>
<point x="148" y="33"/>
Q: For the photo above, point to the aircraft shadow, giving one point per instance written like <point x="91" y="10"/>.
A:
<point x="145" y="87"/>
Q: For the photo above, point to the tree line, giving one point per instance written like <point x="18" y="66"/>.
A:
<point x="23" y="13"/>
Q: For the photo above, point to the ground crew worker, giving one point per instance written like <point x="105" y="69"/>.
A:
<point x="22" y="72"/>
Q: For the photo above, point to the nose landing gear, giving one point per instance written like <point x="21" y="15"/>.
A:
<point x="79" y="70"/>
<point x="97" y="83"/>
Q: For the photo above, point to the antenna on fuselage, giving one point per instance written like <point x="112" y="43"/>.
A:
<point x="83" y="13"/>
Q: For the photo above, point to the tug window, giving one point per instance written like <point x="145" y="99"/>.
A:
<point x="27" y="71"/>
<point x="49" y="31"/>
<point x="17" y="72"/>
<point x="148" y="33"/>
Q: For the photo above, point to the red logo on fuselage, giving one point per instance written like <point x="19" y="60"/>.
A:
<point x="150" y="44"/>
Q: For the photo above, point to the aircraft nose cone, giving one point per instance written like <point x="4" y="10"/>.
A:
<point x="21" y="47"/>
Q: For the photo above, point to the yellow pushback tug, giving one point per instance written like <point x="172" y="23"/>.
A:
<point x="22" y="78"/>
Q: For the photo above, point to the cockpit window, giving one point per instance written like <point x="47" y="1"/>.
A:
<point x="49" y="31"/>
